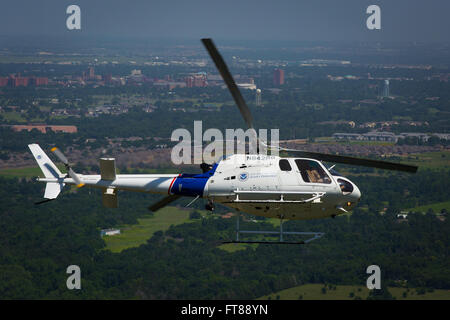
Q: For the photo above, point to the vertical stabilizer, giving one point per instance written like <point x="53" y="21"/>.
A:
<point x="48" y="168"/>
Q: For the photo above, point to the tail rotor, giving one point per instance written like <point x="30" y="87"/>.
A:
<point x="66" y="163"/>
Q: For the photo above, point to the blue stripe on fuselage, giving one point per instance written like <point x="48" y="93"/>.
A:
<point x="192" y="185"/>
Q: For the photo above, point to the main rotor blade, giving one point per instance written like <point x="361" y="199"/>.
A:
<point x="354" y="161"/>
<point x="163" y="202"/>
<point x="229" y="81"/>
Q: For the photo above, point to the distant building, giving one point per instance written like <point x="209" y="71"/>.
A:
<point x="3" y="81"/>
<point x="40" y="81"/>
<point x="196" y="80"/>
<point x="278" y="77"/>
<point x="389" y="136"/>
<point x="108" y="78"/>
<point x="18" y="81"/>
<point x="91" y="73"/>
<point x="136" y="72"/>
<point x="227" y="215"/>
<point x="417" y="135"/>
<point x="370" y="136"/>
<point x="44" y="128"/>
<point x="258" y="99"/>
<point x="386" y="89"/>
<point x="109" y="232"/>
<point x="249" y="86"/>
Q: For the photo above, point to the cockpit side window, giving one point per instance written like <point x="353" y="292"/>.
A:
<point x="312" y="171"/>
<point x="346" y="187"/>
<point x="285" y="165"/>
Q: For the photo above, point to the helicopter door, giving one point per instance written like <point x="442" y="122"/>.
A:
<point x="288" y="175"/>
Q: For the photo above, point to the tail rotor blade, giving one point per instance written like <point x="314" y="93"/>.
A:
<point x="64" y="160"/>
<point x="60" y="155"/>
<point x="75" y="178"/>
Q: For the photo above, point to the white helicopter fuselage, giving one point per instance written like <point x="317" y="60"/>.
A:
<point x="269" y="186"/>
<point x="276" y="187"/>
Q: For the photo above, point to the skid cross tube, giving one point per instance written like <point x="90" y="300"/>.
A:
<point x="315" y="235"/>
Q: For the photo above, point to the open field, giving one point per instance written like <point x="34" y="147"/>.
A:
<point x="233" y="247"/>
<point x="429" y="160"/>
<point x="343" y="292"/>
<point x="135" y="235"/>
<point x="437" y="207"/>
<point x="14" y="117"/>
<point x="26" y="172"/>
<point x="425" y="161"/>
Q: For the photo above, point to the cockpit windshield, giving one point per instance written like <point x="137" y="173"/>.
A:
<point x="312" y="171"/>
<point x="334" y="173"/>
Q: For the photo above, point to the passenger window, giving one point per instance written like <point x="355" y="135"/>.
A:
<point x="284" y="165"/>
<point x="312" y="171"/>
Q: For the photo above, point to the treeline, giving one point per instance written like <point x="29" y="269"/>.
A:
<point x="38" y="243"/>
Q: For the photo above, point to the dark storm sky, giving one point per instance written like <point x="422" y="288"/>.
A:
<point x="322" y="20"/>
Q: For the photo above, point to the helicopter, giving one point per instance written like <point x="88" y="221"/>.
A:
<point x="300" y="187"/>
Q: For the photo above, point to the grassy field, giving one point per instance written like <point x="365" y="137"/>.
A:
<point x="429" y="160"/>
<point x="437" y="207"/>
<point x="14" y="117"/>
<point x="26" y="172"/>
<point x="233" y="247"/>
<point x="314" y="292"/>
<point x="135" y="235"/>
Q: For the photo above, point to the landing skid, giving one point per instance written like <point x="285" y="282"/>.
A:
<point x="266" y="242"/>
<point x="315" y="235"/>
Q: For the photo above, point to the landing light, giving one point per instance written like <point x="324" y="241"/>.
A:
<point x="349" y="204"/>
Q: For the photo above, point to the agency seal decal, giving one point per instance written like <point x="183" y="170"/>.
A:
<point x="243" y="176"/>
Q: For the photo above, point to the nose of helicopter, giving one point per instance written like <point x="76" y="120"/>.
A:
<point x="356" y="194"/>
<point x="353" y="198"/>
<point x="351" y="192"/>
